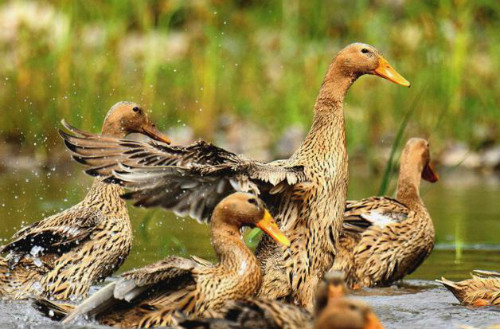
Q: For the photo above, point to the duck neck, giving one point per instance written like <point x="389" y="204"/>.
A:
<point x="106" y="197"/>
<point x="231" y="251"/>
<point x="327" y="134"/>
<point x="408" y="190"/>
<point x="335" y="85"/>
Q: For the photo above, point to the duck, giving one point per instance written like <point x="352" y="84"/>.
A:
<point x="305" y="193"/>
<point x="483" y="289"/>
<point x="61" y="256"/>
<point x="384" y="239"/>
<point x="333" y="310"/>
<point x="152" y="296"/>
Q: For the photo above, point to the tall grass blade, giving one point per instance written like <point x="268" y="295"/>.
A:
<point x="386" y="179"/>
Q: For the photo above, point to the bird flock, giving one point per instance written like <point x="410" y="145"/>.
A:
<point x="317" y="244"/>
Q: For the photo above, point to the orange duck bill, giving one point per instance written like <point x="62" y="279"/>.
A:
<point x="386" y="71"/>
<point x="373" y="322"/>
<point x="149" y="129"/>
<point x="336" y="291"/>
<point x="268" y="225"/>
<point x="429" y="174"/>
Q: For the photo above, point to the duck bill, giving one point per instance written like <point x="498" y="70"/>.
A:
<point x="151" y="131"/>
<point x="373" y="322"/>
<point x="386" y="71"/>
<point x="268" y="225"/>
<point x="335" y="291"/>
<point x="429" y="174"/>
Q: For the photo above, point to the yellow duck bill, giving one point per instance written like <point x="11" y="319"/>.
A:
<point x="386" y="71"/>
<point x="268" y="225"/>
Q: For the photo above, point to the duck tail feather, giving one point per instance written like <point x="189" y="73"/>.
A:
<point x="92" y="305"/>
<point x="486" y="274"/>
<point x="450" y="285"/>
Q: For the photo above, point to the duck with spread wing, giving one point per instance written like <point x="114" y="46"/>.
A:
<point x="305" y="193"/>
<point x="151" y="296"/>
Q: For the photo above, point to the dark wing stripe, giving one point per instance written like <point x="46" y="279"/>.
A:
<point x="359" y="215"/>
<point x="189" y="180"/>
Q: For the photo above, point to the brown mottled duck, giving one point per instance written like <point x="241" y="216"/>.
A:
<point x="385" y="239"/>
<point x="152" y="295"/>
<point x="306" y="193"/>
<point x="60" y="256"/>
<point x="482" y="290"/>
<point x="332" y="311"/>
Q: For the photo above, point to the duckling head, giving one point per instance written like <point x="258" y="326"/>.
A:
<point x="417" y="151"/>
<point x="126" y="117"/>
<point x="359" y="58"/>
<point x="347" y="313"/>
<point x="245" y="209"/>
<point x="335" y="311"/>
<point x="332" y="286"/>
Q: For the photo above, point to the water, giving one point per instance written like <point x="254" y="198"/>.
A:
<point x="464" y="207"/>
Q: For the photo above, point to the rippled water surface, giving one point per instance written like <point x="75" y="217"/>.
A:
<point x="465" y="209"/>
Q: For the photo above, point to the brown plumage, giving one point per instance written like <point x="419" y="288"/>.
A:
<point x="151" y="296"/>
<point x="332" y="311"/>
<point x="62" y="255"/>
<point x="385" y="239"/>
<point x="306" y="193"/>
<point x="482" y="290"/>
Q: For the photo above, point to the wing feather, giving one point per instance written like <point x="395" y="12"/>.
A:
<point x="135" y="283"/>
<point x="374" y="211"/>
<point x="189" y="180"/>
<point x="56" y="232"/>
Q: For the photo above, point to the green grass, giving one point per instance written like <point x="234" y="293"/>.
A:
<point x="398" y="143"/>
<point x="192" y="61"/>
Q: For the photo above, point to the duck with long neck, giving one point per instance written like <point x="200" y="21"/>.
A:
<point x="306" y="192"/>
<point x="314" y="223"/>
<point x="415" y="166"/>
<point x="385" y="239"/>
<point x="61" y="256"/>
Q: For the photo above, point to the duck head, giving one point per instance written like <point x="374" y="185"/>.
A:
<point x="347" y="313"/>
<point x="335" y="311"/>
<point x="359" y="58"/>
<point x="126" y="117"/>
<point x="332" y="286"/>
<point x="245" y="209"/>
<point x="417" y="152"/>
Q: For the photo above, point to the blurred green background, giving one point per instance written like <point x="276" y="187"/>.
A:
<point x="261" y="61"/>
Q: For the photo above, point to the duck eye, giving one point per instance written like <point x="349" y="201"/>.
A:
<point x="253" y="201"/>
<point x="136" y="109"/>
<point x="365" y="51"/>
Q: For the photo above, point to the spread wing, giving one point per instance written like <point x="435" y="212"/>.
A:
<point x="162" y="271"/>
<point x="170" y="272"/>
<point x="188" y="180"/>
<point x="374" y="211"/>
<point x="56" y="233"/>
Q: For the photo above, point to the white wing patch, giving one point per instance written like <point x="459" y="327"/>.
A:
<point x="378" y="219"/>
